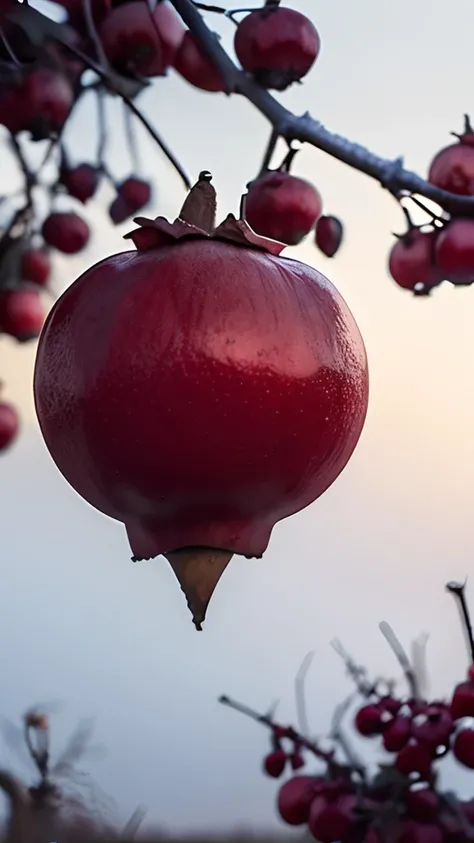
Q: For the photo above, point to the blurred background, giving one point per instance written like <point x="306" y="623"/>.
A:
<point x="83" y="627"/>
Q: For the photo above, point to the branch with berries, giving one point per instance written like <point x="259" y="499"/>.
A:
<point x="400" y="802"/>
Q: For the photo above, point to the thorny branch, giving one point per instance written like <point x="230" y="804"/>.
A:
<point x="391" y="174"/>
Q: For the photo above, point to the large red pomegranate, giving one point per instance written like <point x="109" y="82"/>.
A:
<point x="200" y="389"/>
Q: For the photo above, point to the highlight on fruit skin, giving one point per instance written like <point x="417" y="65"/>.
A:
<point x="237" y="403"/>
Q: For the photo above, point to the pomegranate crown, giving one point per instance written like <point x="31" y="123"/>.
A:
<point x="197" y="219"/>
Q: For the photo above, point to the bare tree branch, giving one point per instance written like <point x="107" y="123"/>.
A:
<point x="390" y="174"/>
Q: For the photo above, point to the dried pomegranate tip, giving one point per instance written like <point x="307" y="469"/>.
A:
<point x="199" y="207"/>
<point x="198" y="570"/>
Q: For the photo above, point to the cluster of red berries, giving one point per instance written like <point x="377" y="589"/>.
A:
<point x="401" y="802"/>
<point x="339" y="806"/>
<point x="443" y="250"/>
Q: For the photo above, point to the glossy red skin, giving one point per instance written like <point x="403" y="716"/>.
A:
<point x="294" y="799"/>
<point x="397" y="733"/>
<point x="201" y="392"/>
<point x="119" y="211"/>
<point x="130" y="37"/>
<point x="9" y="424"/>
<point x="81" y="182"/>
<point x="455" y="251"/>
<point x="136" y="193"/>
<point x="282" y="207"/>
<point x="35" y="266"/>
<point x="463" y="748"/>
<point x="332" y="820"/>
<point x="453" y="169"/>
<point x="462" y="703"/>
<point x="414" y="758"/>
<point x="43" y="97"/>
<point x="436" y="729"/>
<point x="21" y="313"/>
<point x="412" y="260"/>
<point x="328" y="236"/>
<point x="279" y="46"/>
<point x="66" y="231"/>
<point x="194" y="66"/>
<point x="369" y="720"/>
<point x="275" y="763"/>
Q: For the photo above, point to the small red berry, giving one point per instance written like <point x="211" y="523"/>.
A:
<point x="9" y="424"/>
<point x="369" y="720"/>
<point x="294" y="799"/>
<point x="414" y="758"/>
<point x="463" y="748"/>
<point x="21" y="313"/>
<point x="329" y="234"/>
<point x="453" y="167"/>
<point x="297" y="761"/>
<point x="454" y="252"/>
<point x="397" y="733"/>
<point x="66" y="231"/>
<point x="422" y="804"/>
<point x="139" y="41"/>
<point x="81" y="182"/>
<point x="194" y="66"/>
<point x="412" y="262"/>
<point x="41" y="102"/>
<point x="332" y="819"/>
<point x="282" y="207"/>
<point x="136" y="193"/>
<point x="462" y="703"/>
<point x="275" y="763"/>
<point x="390" y="704"/>
<point x="435" y="727"/>
<point x="277" y="45"/>
<point x="119" y="211"/>
<point x="35" y="266"/>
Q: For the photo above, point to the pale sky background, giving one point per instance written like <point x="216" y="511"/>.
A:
<point x="80" y="624"/>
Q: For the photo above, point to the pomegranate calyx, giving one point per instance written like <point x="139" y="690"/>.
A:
<point x="239" y="231"/>
<point x="153" y="234"/>
<point x="198" y="571"/>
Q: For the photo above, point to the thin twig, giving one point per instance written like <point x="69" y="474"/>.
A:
<point x="134" y="823"/>
<point x="106" y="78"/>
<point x="290" y="733"/>
<point x="338" y="735"/>
<point x="402" y="657"/>
<point x="131" y="140"/>
<point x="300" y="694"/>
<point x="94" y="35"/>
<point x="102" y="126"/>
<point x="270" y="149"/>
<point x="458" y="590"/>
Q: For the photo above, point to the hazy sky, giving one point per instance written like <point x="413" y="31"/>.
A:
<point x="83" y="626"/>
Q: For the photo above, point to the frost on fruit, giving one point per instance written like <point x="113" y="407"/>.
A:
<point x="236" y="403"/>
